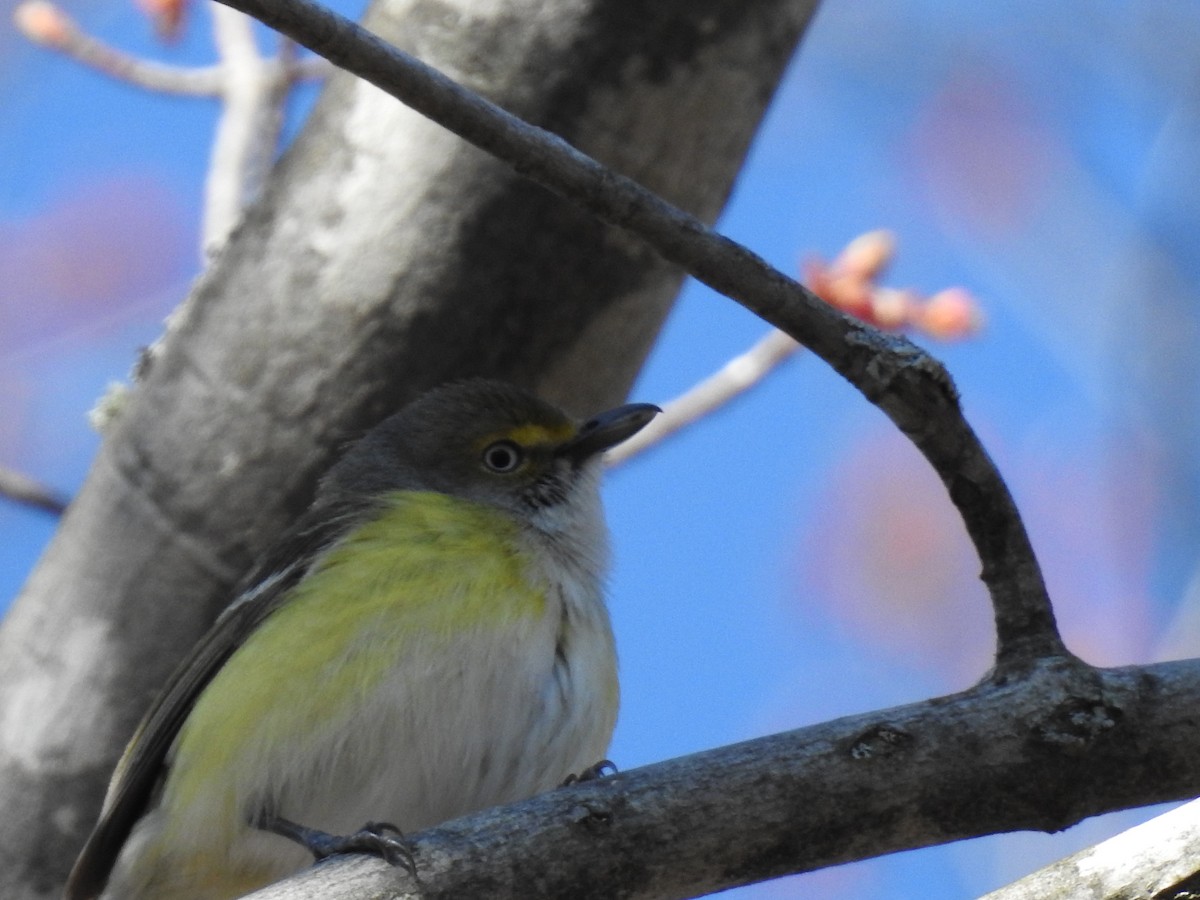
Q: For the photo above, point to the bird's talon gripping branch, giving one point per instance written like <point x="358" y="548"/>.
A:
<point x="381" y="839"/>
<point x="592" y="773"/>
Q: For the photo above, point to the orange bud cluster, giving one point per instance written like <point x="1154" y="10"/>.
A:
<point x="850" y="283"/>
<point x="167" y="16"/>
<point x="44" y="23"/>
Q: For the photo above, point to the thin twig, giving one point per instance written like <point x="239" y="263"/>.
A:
<point x="733" y="379"/>
<point x="282" y="74"/>
<point x="254" y="90"/>
<point x="45" y="24"/>
<point x="234" y="167"/>
<point x="20" y="488"/>
<point x="912" y="388"/>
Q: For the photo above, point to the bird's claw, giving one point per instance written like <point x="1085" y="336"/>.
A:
<point x="592" y="773"/>
<point x="381" y="839"/>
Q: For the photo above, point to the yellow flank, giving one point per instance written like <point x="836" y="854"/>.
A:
<point x="428" y="568"/>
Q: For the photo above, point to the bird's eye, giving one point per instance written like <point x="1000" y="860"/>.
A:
<point x="503" y="457"/>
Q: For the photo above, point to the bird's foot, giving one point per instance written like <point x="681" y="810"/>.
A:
<point x="592" y="773"/>
<point x="380" y="839"/>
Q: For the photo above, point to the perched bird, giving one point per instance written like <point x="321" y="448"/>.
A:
<point x="430" y="639"/>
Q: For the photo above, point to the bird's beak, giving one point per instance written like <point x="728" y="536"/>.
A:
<point x="607" y="430"/>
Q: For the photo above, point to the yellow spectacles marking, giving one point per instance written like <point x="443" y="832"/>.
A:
<point x="534" y="435"/>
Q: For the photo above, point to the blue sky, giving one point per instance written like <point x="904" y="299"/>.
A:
<point x="788" y="559"/>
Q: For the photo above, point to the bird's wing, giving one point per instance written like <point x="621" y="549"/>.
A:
<point x="141" y="767"/>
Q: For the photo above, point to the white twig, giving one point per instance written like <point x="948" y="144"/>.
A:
<point x="254" y="90"/>
<point x="234" y="164"/>
<point x="282" y="73"/>
<point x="45" y="24"/>
<point x="734" y="378"/>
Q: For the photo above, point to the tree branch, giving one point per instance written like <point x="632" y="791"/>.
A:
<point x="1155" y="860"/>
<point x="735" y="377"/>
<point x="44" y="23"/>
<point x="248" y="127"/>
<point x="1064" y="743"/>
<point x="912" y="388"/>
<point x="20" y="488"/>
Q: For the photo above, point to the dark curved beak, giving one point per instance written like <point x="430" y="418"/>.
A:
<point x="608" y="429"/>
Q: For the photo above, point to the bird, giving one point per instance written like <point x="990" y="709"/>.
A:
<point x="431" y="638"/>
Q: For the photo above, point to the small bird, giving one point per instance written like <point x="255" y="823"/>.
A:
<point x="430" y="639"/>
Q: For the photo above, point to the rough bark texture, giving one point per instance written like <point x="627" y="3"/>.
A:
<point x="385" y="256"/>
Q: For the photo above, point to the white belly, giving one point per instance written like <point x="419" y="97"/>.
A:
<point x="491" y="718"/>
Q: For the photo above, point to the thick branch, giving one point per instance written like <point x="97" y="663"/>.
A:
<point x="1065" y="743"/>
<point x="902" y="380"/>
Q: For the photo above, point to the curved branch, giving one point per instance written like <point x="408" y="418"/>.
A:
<point x="912" y="388"/>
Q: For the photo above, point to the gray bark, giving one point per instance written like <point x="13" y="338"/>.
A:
<point x="385" y="256"/>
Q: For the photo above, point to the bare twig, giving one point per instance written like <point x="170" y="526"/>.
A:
<point x="253" y="90"/>
<point x="905" y="382"/>
<point x="734" y="378"/>
<point x="45" y="24"/>
<point x="20" y="488"/>
<point x="284" y="75"/>
<point x="246" y="131"/>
